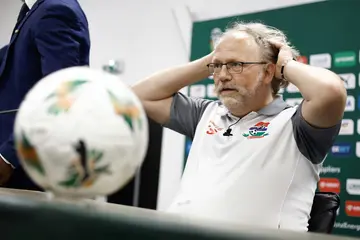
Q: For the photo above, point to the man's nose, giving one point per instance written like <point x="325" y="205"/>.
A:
<point x="224" y="74"/>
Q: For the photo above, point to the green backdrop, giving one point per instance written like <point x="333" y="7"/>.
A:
<point x="327" y="35"/>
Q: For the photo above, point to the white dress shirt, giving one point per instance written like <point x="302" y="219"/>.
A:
<point x="30" y="3"/>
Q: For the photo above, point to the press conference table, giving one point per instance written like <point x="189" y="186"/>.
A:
<point x="33" y="215"/>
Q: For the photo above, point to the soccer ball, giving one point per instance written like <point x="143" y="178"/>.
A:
<point x="81" y="133"/>
<point x="253" y="131"/>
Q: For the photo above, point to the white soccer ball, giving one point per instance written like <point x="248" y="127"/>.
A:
<point x="81" y="133"/>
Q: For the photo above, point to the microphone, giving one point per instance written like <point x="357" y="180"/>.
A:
<point x="227" y="133"/>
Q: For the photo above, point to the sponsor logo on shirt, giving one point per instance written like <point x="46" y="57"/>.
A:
<point x="345" y="59"/>
<point x="213" y="128"/>
<point x="330" y="169"/>
<point x="321" y="60"/>
<point x="353" y="186"/>
<point x="347" y="127"/>
<point x="350" y="104"/>
<point x="329" y="185"/>
<point x="352" y="208"/>
<point x="349" y="80"/>
<point x="341" y="149"/>
<point x="257" y="131"/>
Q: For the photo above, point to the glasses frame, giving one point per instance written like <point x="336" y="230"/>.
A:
<point x="228" y="66"/>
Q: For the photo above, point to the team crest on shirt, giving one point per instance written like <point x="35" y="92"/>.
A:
<point x="259" y="130"/>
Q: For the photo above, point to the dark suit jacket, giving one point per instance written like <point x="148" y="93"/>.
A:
<point x="52" y="36"/>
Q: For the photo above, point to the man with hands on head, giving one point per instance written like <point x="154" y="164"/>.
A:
<point x="254" y="159"/>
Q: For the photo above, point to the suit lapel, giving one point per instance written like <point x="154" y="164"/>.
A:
<point x="21" y="24"/>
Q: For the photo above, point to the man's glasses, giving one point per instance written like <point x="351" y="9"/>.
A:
<point x="232" y="67"/>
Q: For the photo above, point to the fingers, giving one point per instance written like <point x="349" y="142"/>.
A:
<point x="276" y="44"/>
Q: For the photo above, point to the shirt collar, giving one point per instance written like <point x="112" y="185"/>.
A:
<point x="30" y="3"/>
<point x="273" y="108"/>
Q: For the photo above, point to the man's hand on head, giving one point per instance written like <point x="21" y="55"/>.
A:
<point x="285" y="54"/>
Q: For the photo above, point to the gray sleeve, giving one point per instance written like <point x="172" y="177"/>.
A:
<point x="186" y="113"/>
<point x="313" y="142"/>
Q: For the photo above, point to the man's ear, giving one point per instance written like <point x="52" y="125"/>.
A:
<point x="270" y="69"/>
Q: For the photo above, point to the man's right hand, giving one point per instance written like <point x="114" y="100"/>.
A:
<point x="6" y="171"/>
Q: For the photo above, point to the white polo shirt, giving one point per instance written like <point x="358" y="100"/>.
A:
<point x="264" y="174"/>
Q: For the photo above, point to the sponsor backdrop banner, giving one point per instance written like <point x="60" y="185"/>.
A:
<point x="327" y="35"/>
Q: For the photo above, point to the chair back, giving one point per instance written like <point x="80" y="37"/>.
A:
<point x="323" y="212"/>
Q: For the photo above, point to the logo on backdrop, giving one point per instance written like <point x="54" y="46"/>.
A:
<point x="346" y="225"/>
<point x="292" y="88"/>
<point x="353" y="186"/>
<point x="329" y="185"/>
<point x="293" y="101"/>
<point x="341" y="149"/>
<point x="358" y="149"/>
<point x="214" y="37"/>
<point x="350" y="104"/>
<point x="187" y="147"/>
<point x="347" y="127"/>
<point x="321" y="60"/>
<point x="352" y="208"/>
<point x="349" y="80"/>
<point x="345" y="59"/>
<point x="198" y="91"/>
<point x="330" y="169"/>
<point x="302" y="59"/>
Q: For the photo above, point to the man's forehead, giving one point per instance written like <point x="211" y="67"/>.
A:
<point x="238" y="37"/>
<point x="238" y="46"/>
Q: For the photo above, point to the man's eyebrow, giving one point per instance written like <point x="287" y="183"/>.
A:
<point x="215" y="60"/>
<point x="228" y="60"/>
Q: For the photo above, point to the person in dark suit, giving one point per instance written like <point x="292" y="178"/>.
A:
<point x="49" y="35"/>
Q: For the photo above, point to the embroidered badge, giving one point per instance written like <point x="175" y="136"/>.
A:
<point x="257" y="131"/>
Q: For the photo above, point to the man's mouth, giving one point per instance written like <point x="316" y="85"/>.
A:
<point x="227" y="90"/>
